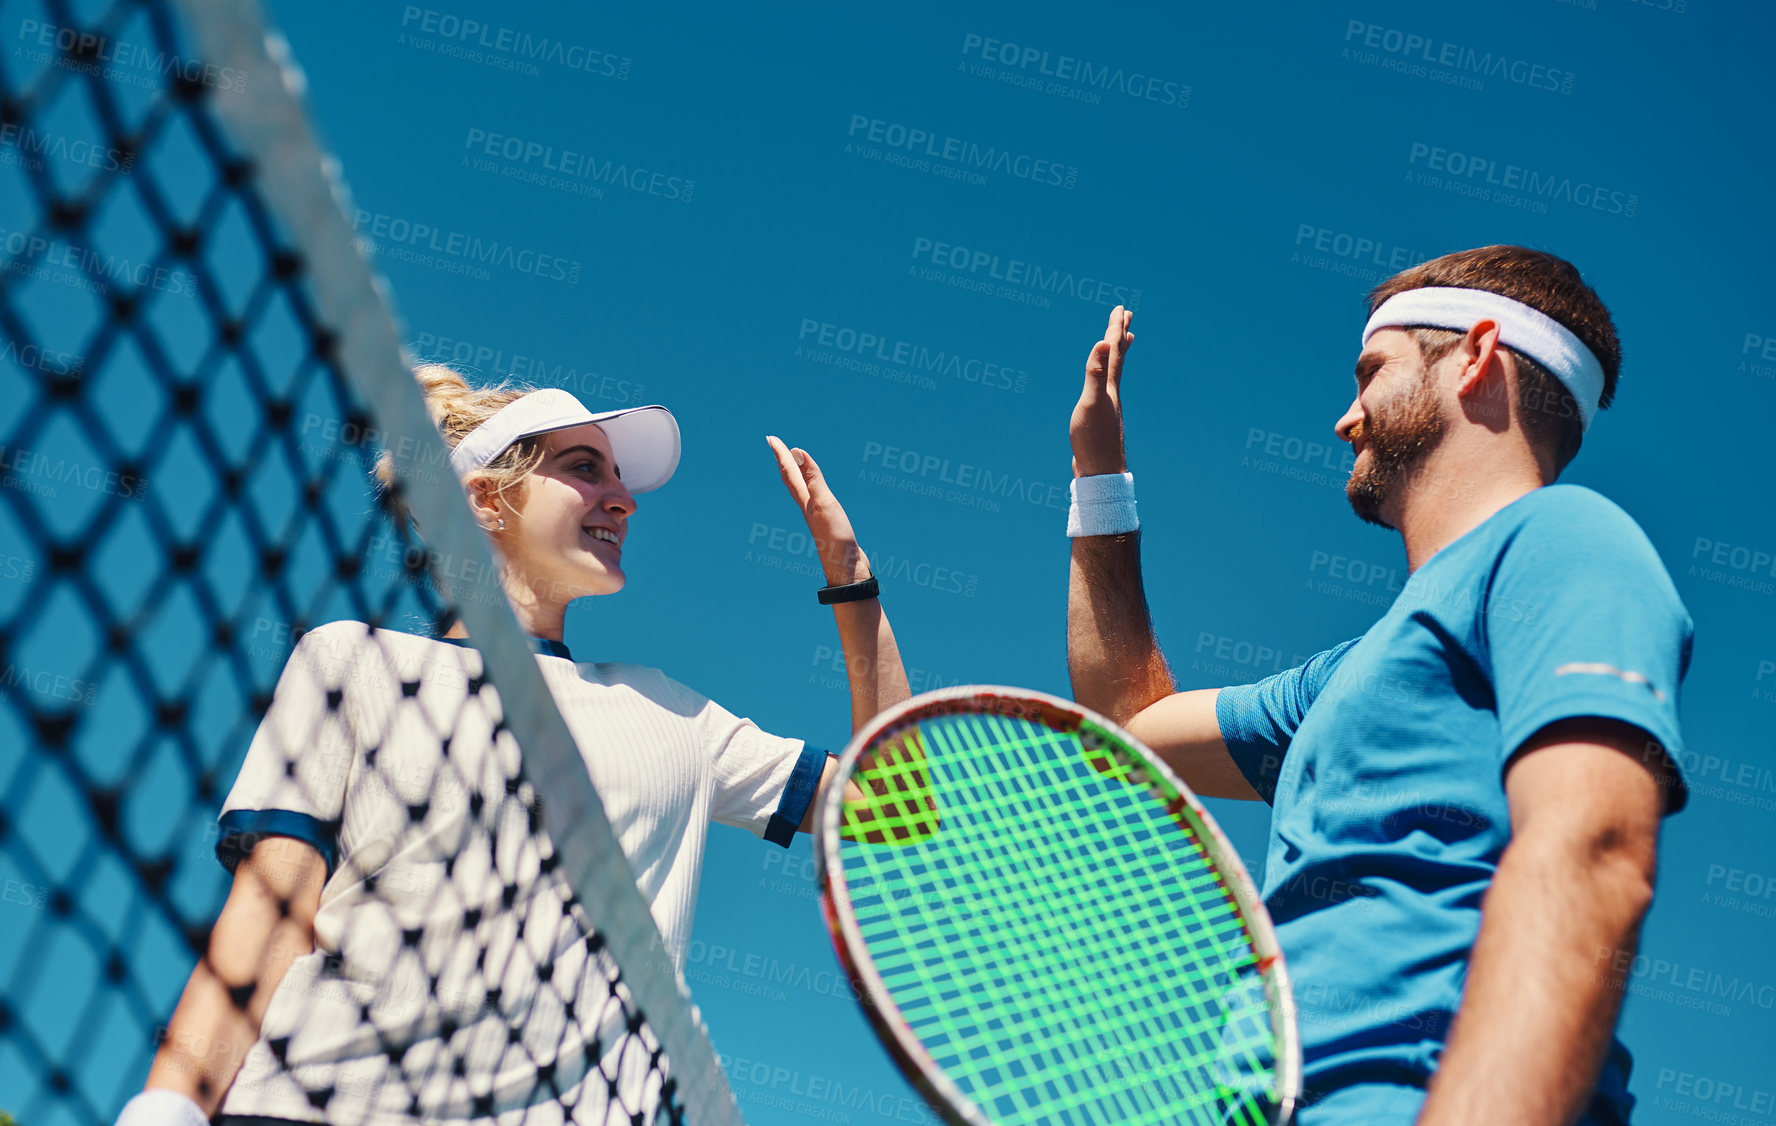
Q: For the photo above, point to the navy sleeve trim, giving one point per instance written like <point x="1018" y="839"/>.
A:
<point x="241" y="829"/>
<point x="798" y="795"/>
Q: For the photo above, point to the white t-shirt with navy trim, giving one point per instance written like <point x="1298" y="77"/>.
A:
<point x="443" y="941"/>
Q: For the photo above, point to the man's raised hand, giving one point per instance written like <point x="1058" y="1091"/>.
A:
<point x="1096" y="428"/>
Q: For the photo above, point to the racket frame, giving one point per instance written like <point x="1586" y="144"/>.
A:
<point x="934" y="1086"/>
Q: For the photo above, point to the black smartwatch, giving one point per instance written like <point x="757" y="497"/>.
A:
<point x="848" y="592"/>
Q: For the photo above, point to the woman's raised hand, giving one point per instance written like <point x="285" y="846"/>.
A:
<point x="834" y="538"/>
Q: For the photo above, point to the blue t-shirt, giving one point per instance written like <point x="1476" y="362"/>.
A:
<point x="1384" y="759"/>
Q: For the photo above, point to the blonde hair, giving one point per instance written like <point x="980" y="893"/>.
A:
<point x="457" y="408"/>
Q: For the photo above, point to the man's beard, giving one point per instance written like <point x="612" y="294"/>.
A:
<point x="1398" y="438"/>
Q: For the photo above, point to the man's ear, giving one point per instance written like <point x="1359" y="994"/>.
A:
<point x="1481" y="357"/>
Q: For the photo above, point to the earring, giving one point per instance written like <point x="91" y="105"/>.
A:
<point x="502" y="526"/>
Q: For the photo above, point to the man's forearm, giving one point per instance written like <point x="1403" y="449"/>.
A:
<point x="1540" y="1004"/>
<point x="1113" y="659"/>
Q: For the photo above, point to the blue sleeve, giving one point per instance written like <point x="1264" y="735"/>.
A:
<point x="1583" y="620"/>
<point x="1258" y="720"/>
<point x="241" y="829"/>
<point x="797" y="796"/>
<point x="293" y="780"/>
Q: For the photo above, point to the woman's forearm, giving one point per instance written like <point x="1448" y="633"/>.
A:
<point x="872" y="660"/>
<point x="203" y="1046"/>
<point x="267" y="923"/>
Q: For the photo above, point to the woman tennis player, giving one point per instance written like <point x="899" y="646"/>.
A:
<point x="393" y="948"/>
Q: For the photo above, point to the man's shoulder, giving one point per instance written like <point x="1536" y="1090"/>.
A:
<point x="1573" y="519"/>
<point x="1573" y="505"/>
<point x="1568" y="536"/>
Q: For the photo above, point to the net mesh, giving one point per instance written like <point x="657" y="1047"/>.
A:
<point x="1053" y="935"/>
<point x="204" y="593"/>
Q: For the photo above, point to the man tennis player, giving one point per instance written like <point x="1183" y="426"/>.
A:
<point x="1466" y="799"/>
<point x="394" y="948"/>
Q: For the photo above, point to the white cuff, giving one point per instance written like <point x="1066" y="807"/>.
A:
<point x="158" y="1106"/>
<point x="1103" y="505"/>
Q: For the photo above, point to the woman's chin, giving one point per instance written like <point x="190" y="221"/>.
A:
<point x="605" y="580"/>
<point x="600" y="570"/>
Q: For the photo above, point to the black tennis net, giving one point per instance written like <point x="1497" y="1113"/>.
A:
<point x="205" y="592"/>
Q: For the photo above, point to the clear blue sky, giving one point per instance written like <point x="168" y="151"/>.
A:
<point x="789" y="195"/>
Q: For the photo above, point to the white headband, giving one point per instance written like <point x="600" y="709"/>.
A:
<point x="1528" y="330"/>
<point x="644" y="440"/>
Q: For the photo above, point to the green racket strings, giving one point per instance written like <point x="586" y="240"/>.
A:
<point x="1055" y="938"/>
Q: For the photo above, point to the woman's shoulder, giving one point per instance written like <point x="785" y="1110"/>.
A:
<point x="652" y="683"/>
<point x="643" y="678"/>
<point x="342" y="630"/>
<point x="351" y="642"/>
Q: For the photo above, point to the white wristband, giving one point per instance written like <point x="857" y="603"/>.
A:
<point x="158" y="1106"/>
<point x="1103" y="505"/>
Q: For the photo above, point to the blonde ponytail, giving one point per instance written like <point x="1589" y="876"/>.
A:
<point x="457" y="408"/>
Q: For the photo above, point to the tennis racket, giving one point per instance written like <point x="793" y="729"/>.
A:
<point x="1043" y="924"/>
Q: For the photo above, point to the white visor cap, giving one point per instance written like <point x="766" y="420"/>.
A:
<point x="644" y="440"/>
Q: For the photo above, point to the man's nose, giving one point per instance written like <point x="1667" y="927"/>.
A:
<point x="1353" y="416"/>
